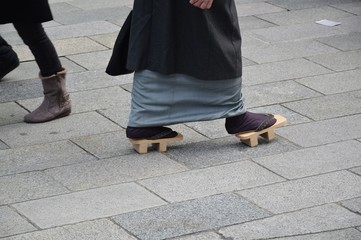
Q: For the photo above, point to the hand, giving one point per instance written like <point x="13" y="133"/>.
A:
<point x="203" y="4"/>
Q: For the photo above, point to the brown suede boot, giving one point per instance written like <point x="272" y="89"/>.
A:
<point x="56" y="103"/>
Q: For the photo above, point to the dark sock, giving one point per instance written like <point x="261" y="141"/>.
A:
<point x="249" y="122"/>
<point x="150" y="132"/>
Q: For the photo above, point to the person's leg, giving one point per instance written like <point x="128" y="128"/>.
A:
<point x="42" y="48"/>
<point x="8" y="58"/>
<point x="56" y="102"/>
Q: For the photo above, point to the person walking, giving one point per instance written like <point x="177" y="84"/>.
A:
<point x="187" y="63"/>
<point x="27" y="18"/>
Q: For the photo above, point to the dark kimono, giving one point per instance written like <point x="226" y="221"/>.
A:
<point x="172" y="36"/>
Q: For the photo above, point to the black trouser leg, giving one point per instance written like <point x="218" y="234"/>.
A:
<point x="35" y="38"/>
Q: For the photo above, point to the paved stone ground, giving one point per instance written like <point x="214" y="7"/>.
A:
<point x="79" y="178"/>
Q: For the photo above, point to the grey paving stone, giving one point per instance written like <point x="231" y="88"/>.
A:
<point x="340" y="61"/>
<point x="92" y="230"/>
<point x="320" y="108"/>
<point x="200" y="236"/>
<point x="23" y="52"/>
<point x="77" y="45"/>
<point x="351" y="24"/>
<point x="291" y="116"/>
<point x="323" y="218"/>
<point x="349" y="234"/>
<point x="354" y="7"/>
<point x="313" y="161"/>
<point x="106" y="145"/>
<point x="30" y="70"/>
<point x="118" y="114"/>
<point x="297" y="32"/>
<point x="251" y="22"/>
<point x="90" y="100"/>
<point x="285" y="51"/>
<point x="58" y="8"/>
<point x="22" y="134"/>
<point x="334" y="83"/>
<point x="276" y="93"/>
<point x="27" y="186"/>
<point x="354" y="205"/>
<point x="81" y="30"/>
<point x="347" y="42"/>
<point x="92" y="60"/>
<point x="248" y="9"/>
<point x="3" y="145"/>
<point x="114" y="171"/>
<point x="209" y="181"/>
<point x="12" y="223"/>
<point x="128" y="86"/>
<point x="278" y="71"/>
<point x="304" y="16"/>
<point x="40" y="157"/>
<point x="12" y="91"/>
<point x="107" y="39"/>
<point x="94" y="80"/>
<point x="189" y="217"/>
<point x="87" y="205"/>
<point x="107" y="14"/>
<point x="246" y="62"/>
<point x="357" y="170"/>
<point x="98" y="4"/>
<point x="247" y="1"/>
<point x="74" y="45"/>
<point x="302" y="4"/>
<point x="11" y="113"/>
<point x="323" y="132"/>
<point x="224" y="150"/>
<point x="209" y="153"/>
<point x="250" y="40"/>
<point x="212" y="129"/>
<point x="189" y="135"/>
<point x="305" y="192"/>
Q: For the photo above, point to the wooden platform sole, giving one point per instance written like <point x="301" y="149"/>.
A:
<point x="141" y="146"/>
<point x="251" y="138"/>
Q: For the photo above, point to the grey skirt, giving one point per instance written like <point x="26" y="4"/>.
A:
<point x="160" y="100"/>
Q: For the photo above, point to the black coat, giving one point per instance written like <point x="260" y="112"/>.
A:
<point x="35" y="11"/>
<point x="172" y="36"/>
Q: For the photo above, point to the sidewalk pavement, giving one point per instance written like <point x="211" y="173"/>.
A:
<point x="79" y="177"/>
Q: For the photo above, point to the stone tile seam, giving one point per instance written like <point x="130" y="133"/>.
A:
<point x="359" y="174"/>
<point x="294" y="79"/>
<point x="195" y="130"/>
<point x="294" y="211"/>
<point x="327" y="95"/>
<point x="306" y="234"/>
<point x="335" y="71"/>
<point x="344" y="200"/>
<point x="82" y="148"/>
<point x="318" y="121"/>
<point x="24" y="217"/>
<point x="117" y="224"/>
<point x="301" y="178"/>
<point x="335" y="6"/>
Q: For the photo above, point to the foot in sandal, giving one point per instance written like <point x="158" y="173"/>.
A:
<point x="158" y="137"/>
<point x="249" y="126"/>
